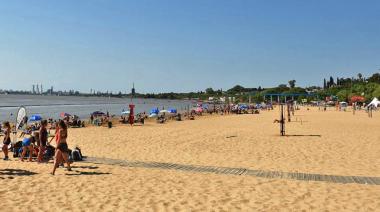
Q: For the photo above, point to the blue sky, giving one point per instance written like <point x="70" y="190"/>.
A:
<point x="177" y="45"/>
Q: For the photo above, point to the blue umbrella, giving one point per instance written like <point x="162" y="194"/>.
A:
<point x="35" y="118"/>
<point x="154" y="111"/>
<point x="172" y="110"/>
<point x="243" y="107"/>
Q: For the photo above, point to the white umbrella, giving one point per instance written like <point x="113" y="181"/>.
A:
<point x="126" y="112"/>
<point x="152" y="115"/>
<point x="375" y="103"/>
<point x="164" y="111"/>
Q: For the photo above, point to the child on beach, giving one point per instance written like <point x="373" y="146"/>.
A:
<point x="7" y="139"/>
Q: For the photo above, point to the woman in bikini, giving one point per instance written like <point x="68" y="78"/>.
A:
<point x="7" y="139"/>
<point x="62" y="150"/>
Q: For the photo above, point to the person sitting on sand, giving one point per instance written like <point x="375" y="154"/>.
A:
<point x="62" y="149"/>
<point x="122" y="119"/>
<point x="43" y="138"/>
<point x="27" y="145"/>
<point x="7" y="139"/>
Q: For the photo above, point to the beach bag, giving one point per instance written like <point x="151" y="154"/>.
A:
<point x="49" y="152"/>
<point x="16" y="152"/>
<point x="80" y="151"/>
<point x="76" y="155"/>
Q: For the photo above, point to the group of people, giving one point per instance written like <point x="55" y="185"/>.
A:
<point x="35" y="143"/>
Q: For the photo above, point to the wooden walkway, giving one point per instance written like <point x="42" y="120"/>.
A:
<point x="239" y="171"/>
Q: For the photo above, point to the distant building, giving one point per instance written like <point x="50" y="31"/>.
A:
<point x="133" y="90"/>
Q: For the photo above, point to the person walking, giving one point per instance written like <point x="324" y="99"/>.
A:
<point x="43" y="135"/>
<point x="62" y="150"/>
<point x="7" y="139"/>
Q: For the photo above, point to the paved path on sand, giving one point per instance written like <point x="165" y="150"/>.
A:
<point x="238" y="171"/>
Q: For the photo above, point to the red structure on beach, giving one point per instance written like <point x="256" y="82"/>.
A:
<point x="357" y="99"/>
<point x="131" y="117"/>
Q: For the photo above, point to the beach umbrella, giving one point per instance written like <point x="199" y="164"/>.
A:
<point x="172" y="110"/>
<point x="64" y="115"/>
<point x="164" y="111"/>
<point x="154" y="111"/>
<point x="21" y="118"/>
<point x="357" y="99"/>
<point x="153" y="115"/>
<point x="35" y="118"/>
<point x="98" y="113"/>
<point x="243" y="107"/>
<point x="374" y="103"/>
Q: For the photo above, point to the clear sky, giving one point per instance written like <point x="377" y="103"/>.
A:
<point x="178" y="45"/>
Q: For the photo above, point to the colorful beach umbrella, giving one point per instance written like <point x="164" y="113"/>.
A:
<point x="64" y="115"/>
<point x="357" y="99"/>
<point x="35" y="118"/>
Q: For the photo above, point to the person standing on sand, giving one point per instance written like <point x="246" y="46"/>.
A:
<point x="43" y="135"/>
<point x="7" y="139"/>
<point x="61" y="152"/>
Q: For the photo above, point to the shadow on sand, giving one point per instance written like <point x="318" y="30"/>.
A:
<point x="10" y="173"/>
<point x="302" y="135"/>
<point x="86" y="173"/>
<point x="84" y="167"/>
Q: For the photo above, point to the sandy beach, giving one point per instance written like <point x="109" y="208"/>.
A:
<point x="328" y="143"/>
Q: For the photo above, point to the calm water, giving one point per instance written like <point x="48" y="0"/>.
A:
<point x="52" y="106"/>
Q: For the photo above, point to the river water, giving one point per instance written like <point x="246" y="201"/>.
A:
<point x="52" y="106"/>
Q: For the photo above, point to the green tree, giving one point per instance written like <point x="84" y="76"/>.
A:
<point x="210" y="91"/>
<point x="258" y="97"/>
<point x="343" y="95"/>
<point x="376" y="93"/>
<point x="292" y="83"/>
<point x="374" y="78"/>
<point x="236" y="89"/>
<point x="360" y="77"/>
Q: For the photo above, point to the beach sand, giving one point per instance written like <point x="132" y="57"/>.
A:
<point x="348" y="145"/>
